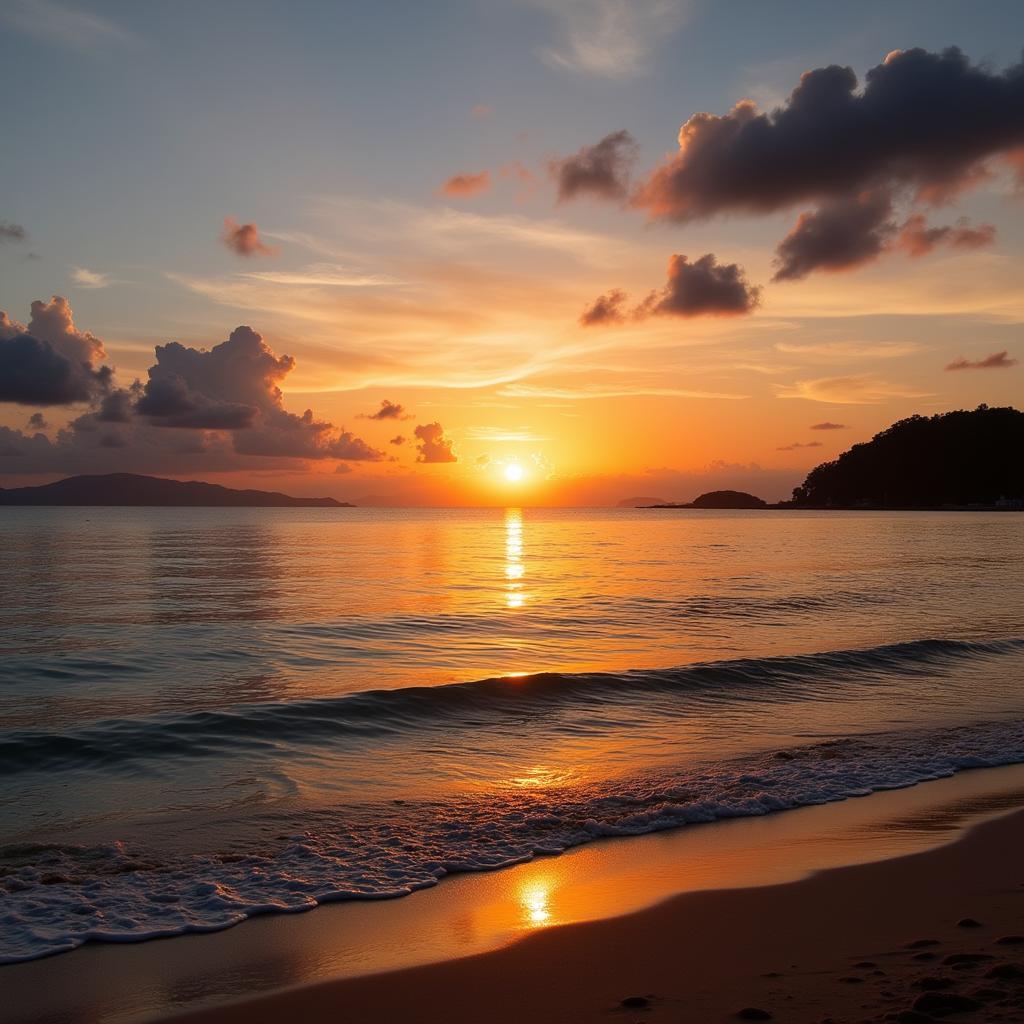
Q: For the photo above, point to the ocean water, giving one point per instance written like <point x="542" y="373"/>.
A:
<point x="209" y="714"/>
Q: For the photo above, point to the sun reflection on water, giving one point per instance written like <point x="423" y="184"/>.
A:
<point x="535" y="900"/>
<point x="515" y="570"/>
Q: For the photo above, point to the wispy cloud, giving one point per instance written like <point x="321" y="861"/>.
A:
<point x="70" y="27"/>
<point x="327" y="275"/>
<point x="85" y="278"/>
<point x="857" y="389"/>
<point x="610" y="38"/>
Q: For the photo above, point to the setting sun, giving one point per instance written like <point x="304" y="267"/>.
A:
<point x="514" y="473"/>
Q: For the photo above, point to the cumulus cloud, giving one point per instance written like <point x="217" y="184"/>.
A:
<point x="219" y="408"/>
<point x="925" y="121"/>
<point x="433" y="446"/>
<point x="12" y="232"/>
<point x="398" y="440"/>
<point x="918" y="239"/>
<point x="829" y="426"/>
<point x="461" y="186"/>
<point x="605" y="309"/>
<point x="37" y="421"/>
<point x="601" y="170"/>
<point x="703" y="288"/>
<point x="796" y="444"/>
<point x="49" y="361"/>
<point x="996" y="361"/>
<point x="841" y="235"/>
<point x="244" y="239"/>
<point x="610" y="38"/>
<point x="388" y="411"/>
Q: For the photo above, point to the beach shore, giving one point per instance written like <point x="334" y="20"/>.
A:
<point x="694" y="925"/>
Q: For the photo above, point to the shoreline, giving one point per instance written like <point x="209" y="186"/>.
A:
<point x="353" y="954"/>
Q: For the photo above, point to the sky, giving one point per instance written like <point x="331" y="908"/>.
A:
<point x="536" y="252"/>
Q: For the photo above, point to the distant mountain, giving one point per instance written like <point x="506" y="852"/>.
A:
<point x="956" y="458"/>
<point x="131" y="489"/>
<point x="641" y="502"/>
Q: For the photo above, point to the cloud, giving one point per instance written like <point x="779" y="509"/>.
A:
<point x="856" y="389"/>
<point x="218" y="409"/>
<point x="54" y="23"/>
<point x="923" y="121"/>
<point x="996" y="361"/>
<point x="433" y="445"/>
<point x="481" y="111"/>
<point x="601" y="170"/>
<point x="49" y="361"/>
<point x="387" y="411"/>
<point x="796" y="444"/>
<point x="605" y="309"/>
<point x="462" y="186"/>
<point x="319" y="275"/>
<point x="234" y="386"/>
<point x="89" y="278"/>
<point x="37" y="422"/>
<point x="12" y="232"/>
<point x="398" y="440"/>
<point x="918" y="239"/>
<point x="842" y="234"/>
<point x="244" y="239"/>
<point x="610" y="38"/>
<point x="829" y="426"/>
<point x="703" y="288"/>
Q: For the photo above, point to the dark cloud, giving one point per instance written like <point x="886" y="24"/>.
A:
<point x="605" y="309"/>
<point x="703" y="288"/>
<point x="796" y="444"/>
<point x="433" y="446"/>
<point x="829" y="426"/>
<point x="219" y="408"/>
<point x="841" y="235"/>
<point x="601" y="170"/>
<point x="996" y="361"/>
<point x="12" y="232"/>
<point x="398" y="440"/>
<point x="37" y="421"/>
<point x="388" y="411"/>
<point x="119" y="405"/>
<point x="244" y="239"/>
<point x="462" y="186"/>
<point x="925" y="121"/>
<point x="49" y="361"/>
<point x="918" y="239"/>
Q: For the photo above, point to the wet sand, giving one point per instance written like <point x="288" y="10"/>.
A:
<point x="571" y="938"/>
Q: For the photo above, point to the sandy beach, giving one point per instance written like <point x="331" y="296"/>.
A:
<point x="816" y="914"/>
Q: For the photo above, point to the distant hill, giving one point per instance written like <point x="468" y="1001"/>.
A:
<point x="719" y="499"/>
<point x="131" y="489"/>
<point x="641" y="502"/>
<point x="955" y="458"/>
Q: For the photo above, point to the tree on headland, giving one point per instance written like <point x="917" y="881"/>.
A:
<point x="954" y="458"/>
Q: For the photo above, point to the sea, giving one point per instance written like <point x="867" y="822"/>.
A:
<point x="209" y="714"/>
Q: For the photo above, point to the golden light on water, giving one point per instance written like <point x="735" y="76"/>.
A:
<point x="535" y="899"/>
<point x="515" y="569"/>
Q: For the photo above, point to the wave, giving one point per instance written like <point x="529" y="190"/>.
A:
<point x="110" y="744"/>
<point x="58" y="896"/>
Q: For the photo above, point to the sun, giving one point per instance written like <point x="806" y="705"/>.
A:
<point x="514" y="472"/>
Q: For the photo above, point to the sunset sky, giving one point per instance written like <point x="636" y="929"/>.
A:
<point x="470" y="234"/>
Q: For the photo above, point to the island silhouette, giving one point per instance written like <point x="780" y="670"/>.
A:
<point x="133" y="489"/>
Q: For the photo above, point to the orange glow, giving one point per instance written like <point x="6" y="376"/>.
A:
<point x="514" y="473"/>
